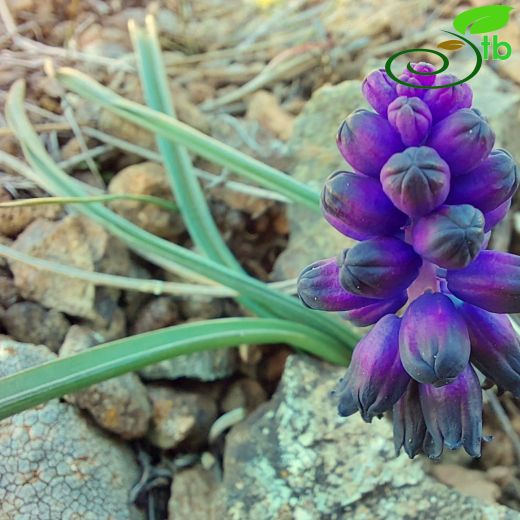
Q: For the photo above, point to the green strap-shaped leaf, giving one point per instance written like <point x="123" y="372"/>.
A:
<point x="37" y="385"/>
<point x="487" y="18"/>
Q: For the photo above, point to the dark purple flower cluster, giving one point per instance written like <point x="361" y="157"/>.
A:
<point x="425" y="191"/>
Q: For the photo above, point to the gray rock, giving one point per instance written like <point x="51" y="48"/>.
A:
<point x="64" y="242"/>
<point x="205" y="366"/>
<point x="180" y="418"/>
<point x="32" y="323"/>
<point x="156" y="314"/>
<point x="54" y="463"/>
<point x="315" y="156"/>
<point x="294" y="458"/>
<point x="146" y="178"/>
<point x="74" y="241"/>
<point x="119" y="405"/>
<point x="193" y="493"/>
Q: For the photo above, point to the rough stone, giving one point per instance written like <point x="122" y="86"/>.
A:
<point x="295" y="458"/>
<point x="246" y="393"/>
<point x="119" y="405"/>
<point x="74" y="241"/>
<point x="55" y="463"/>
<point x="63" y="242"/>
<point x="156" y="314"/>
<point x="314" y="155"/>
<point x="146" y="178"/>
<point x="193" y="494"/>
<point x="8" y="291"/>
<point x="180" y="418"/>
<point x="204" y="366"/>
<point x="15" y="220"/>
<point x="32" y="323"/>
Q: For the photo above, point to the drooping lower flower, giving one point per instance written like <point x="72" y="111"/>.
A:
<point x="425" y="193"/>
<point x="453" y="415"/>
<point x="375" y="379"/>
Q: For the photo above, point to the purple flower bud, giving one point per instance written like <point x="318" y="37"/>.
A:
<point x="488" y="185"/>
<point x="453" y="415"/>
<point x="408" y="422"/>
<point x="404" y="90"/>
<point x="417" y="180"/>
<point x="379" y="268"/>
<point x="379" y="90"/>
<point x="427" y="77"/>
<point x="357" y="207"/>
<point x="495" y="347"/>
<point x="374" y="311"/>
<point x="412" y="118"/>
<point x="491" y="281"/>
<point x="494" y="217"/>
<point x="375" y="378"/>
<point x="463" y="140"/>
<point x="446" y="101"/>
<point x="451" y="236"/>
<point x="319" y="288"/>
<point x="366" y="141"/>
<point x="433" y="340"/>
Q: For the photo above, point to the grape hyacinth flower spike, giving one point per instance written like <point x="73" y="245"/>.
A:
<point x="424" y="190"/>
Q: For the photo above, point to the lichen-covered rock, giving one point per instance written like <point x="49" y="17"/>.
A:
<point x="205" y="366"/>
<point x="295" y="458"/>
<point x="54" y="463"/>
<point x="120" y="405"/>
<point x="315" y="156"/>
<point x="32" y="323"/>
<point x="180" y="418"/>
<point x="146" y="178"/>
<point x="193" y="494"/>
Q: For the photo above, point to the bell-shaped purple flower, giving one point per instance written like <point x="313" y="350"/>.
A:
<point x="375" y="378"/>
<point x="371" y="313"/>
<point x="379" y="268"/>
<point x="412" y="119"/>
<point x="463" y="140"/>
<point x="492" y="218"/>
<point x="319" y="288"/>
<point x="417" y="180"/>
<point x="357" y="207"/>
<point x="491" y="281"/>
<point x="451" y="236"/>
<point x="433" y="340"/>
<point x="453" y="415"/>
<point x="488" y="185"/>
<point x="379" y="90"/>
<point x="446" y="101"/>
<point x="424" y="72"/>
<point x="495" y="346"/>
<point x="408" y="422"/>
<point x="366" y="141"/>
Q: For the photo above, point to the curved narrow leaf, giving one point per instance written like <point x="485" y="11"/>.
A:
<point x="487" y="18"/>
<point x="37" y="385"/>
<point x="451" y="45"/>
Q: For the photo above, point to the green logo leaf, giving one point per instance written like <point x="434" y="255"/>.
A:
<point x="487" y="18"/>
